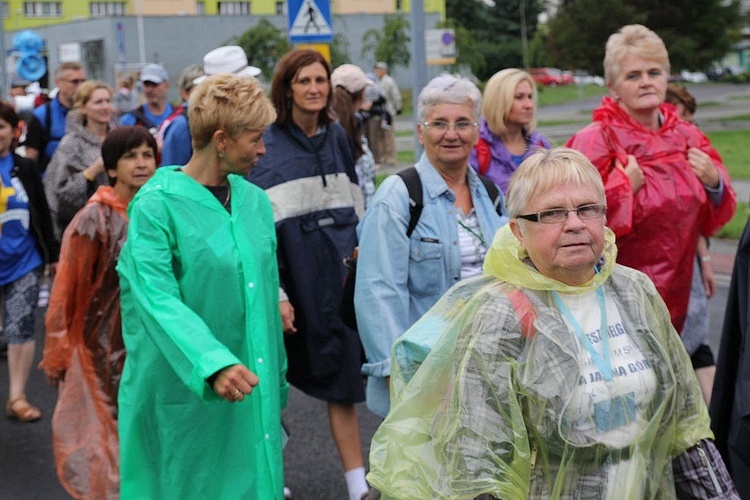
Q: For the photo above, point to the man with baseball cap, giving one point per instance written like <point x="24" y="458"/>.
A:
<point x="154" y="80"/>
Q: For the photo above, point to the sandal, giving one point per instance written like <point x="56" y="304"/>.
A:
<point x="20" y="409"/>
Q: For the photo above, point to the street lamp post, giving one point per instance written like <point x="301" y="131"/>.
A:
<point x="524" y="40"/>
<point x="419" y="62"/>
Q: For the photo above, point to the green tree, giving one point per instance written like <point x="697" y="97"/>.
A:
<point x="391" y="44"/>
<point x="498" y="26"/>
<point x="339" y="50"/>
<point x="696" y="32"/>
<point x="264" y="45"/>
<point x="467" y="48"/>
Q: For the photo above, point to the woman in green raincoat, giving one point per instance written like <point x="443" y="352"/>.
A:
<point x="204" y="383"/>
<point x="520" y="395"/>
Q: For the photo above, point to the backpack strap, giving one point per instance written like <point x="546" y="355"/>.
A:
<point x="410" y="176"/>
<point x="484" y="156"/>
<point x="525" y="311"/>
<point x="493" y="192"/>
<point x="142" y="119"/>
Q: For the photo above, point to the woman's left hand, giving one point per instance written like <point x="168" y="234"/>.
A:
<point x="703" y="167"/>
<point x="234" y="383"/>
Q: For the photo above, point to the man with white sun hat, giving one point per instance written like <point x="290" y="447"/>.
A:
<point x="227" y="59"/>
<point x="177" y="148"/>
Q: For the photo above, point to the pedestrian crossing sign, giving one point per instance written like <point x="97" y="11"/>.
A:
<point x="309" y="21"/>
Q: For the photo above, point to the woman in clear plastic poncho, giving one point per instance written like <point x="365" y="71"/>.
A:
<point x="521" y="396"/>
<point x="83" y="349"/>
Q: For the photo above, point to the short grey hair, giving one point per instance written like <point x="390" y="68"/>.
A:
<point x="546" y="169"/>
<point x="190" y="73"/>
<point x="449" y="89"/>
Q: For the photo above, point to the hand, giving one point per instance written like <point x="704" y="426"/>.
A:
<point x="703" y="167"/>
<point x="52" y="270"/>
<point x="96" y="168"/>
<point x="287" y="317"/>
<point x="234" y="382"/>
<point x="634" y="173"/>
<point x="54" y="377"/>
<point x="709" y="280"/>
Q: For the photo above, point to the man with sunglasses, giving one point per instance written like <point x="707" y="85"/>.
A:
<point x="47" y="125"/>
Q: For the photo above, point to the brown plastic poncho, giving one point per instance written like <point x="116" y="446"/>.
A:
<point x="84" y="341"/>
<point x="482" y="386"/>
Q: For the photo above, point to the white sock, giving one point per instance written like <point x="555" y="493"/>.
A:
<point x="355" y="483"/>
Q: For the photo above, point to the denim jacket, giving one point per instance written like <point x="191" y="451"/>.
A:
<point x="400" y="278"/>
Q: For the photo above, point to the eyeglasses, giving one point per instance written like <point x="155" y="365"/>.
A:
<point x="558" y="215"/>
<point x="443" y="126"/>
<point x="76" y="81"/>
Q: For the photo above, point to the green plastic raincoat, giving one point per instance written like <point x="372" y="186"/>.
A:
<point x="482" y="388"/>
<point x="199" y="293"/>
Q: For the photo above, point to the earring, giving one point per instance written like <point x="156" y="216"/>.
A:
<point x="221" y="154"/>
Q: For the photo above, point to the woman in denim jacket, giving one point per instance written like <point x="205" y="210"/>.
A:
<point x="400" y="276"/>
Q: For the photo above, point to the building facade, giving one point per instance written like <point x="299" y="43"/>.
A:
<point x="20" y="14"/>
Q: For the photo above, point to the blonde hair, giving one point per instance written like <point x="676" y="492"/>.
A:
<point x="546" y="169"/>
<point x="633" y="39"/>
<point x="230" y="103"/>
<point x="85" y="90"/>
<point x="499" y="94"/>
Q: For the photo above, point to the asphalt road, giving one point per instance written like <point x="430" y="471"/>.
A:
<point x="27" y="470"/>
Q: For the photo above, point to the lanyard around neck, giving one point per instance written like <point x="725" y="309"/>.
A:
<point x="478" y="236"/>
<point x="603" y="361"/>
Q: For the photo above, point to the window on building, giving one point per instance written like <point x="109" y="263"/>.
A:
<point x="234" y="8"/>
<point x="280" y="8"/>
<point x="102" y="9"/>
<point x="200" y="8"/>
<point x="6" y="10"/>
<point x="399" y="5"/>
<point x="42" y="9"/>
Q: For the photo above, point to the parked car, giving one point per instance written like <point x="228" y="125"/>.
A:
<point x="583" y="78"/>
<point x="551" y="76"/>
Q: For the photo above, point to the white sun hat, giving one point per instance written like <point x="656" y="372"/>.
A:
<point x="227" y="59"/>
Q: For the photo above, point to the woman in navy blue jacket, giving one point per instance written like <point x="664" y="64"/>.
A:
<point x="308" y="173"/>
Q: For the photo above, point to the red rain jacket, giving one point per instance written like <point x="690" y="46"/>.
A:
<point x="657" y="228"/>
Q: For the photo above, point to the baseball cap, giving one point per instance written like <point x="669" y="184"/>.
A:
<point x="155" y="73"/>
<point x="227" y="59"/>
<point x="351" y="77"/>
<point x="381" y="65"/>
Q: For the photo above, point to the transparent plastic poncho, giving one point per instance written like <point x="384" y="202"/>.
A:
<point x="481" y="391"/>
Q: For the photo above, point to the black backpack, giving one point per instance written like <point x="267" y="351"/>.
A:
<point x="413" y="182"/>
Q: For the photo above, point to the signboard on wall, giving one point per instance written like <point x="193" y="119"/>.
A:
<point x="440" y="46"/>
<point x="69" y="52"/>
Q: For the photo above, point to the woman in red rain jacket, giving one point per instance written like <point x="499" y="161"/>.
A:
<point x="665" y="183"/>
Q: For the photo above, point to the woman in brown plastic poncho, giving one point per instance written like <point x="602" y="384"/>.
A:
<point x="83" y="350"/>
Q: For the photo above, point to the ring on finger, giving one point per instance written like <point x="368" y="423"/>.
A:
<point x="237" y="394"/>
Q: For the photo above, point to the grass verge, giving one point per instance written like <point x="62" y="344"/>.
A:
<point x="732" y="145"/>
<point x="733" y="229"/>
